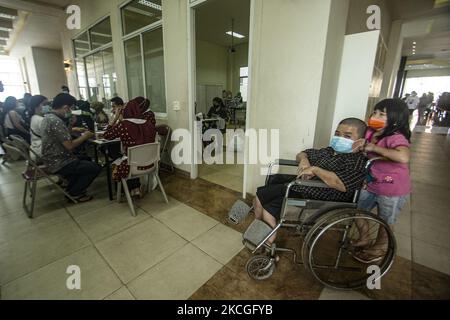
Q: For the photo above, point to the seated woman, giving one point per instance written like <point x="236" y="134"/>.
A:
<point x="12" y="121"/>
<point x="339" y="166"/>
<point x="218" y="109"/>
<point x="38" y="106"/>
<point x="133" y="129"/>
<point x="100" y="117"/>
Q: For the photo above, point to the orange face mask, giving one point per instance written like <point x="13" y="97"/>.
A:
<point x="377" y="124"/>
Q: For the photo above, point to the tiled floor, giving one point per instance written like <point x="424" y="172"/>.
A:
<point x="229" y="176"/>
<point x="187" y="248"/>
<point x="167" y="252"/>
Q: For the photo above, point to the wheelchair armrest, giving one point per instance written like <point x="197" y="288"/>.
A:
<point x="306" y="183"/>
<point x="284" y="162"/>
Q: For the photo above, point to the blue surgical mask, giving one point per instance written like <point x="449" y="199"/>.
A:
<point x="342" y="145"/>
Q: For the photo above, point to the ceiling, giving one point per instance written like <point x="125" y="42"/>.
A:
<point x="57" y="4"/>
<point x="432" y="44"/>
<point x="213" y="19"/>
<point x="8" y="17"/>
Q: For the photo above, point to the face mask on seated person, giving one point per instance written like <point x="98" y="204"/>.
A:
<point x="342" y="145"/>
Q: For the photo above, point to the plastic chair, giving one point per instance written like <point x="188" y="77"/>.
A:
<point x="139" y="157"/>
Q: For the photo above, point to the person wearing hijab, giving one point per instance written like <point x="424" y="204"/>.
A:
<point x="144" y="105"/>
<point x="133" y="127"/>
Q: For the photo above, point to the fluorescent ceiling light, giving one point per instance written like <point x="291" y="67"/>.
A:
<point x="235" y="34"/>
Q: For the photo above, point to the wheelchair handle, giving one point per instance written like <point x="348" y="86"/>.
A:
<point x="370" y="162"/>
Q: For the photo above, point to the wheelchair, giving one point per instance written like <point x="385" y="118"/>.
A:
<point x="327" y="236"/>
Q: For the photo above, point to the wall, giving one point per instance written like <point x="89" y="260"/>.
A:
<point x="331" y="70"/>
<point x="357" y="16"/>
<point x="31" y="71"/>
<point x="286" y="73"/>
<point x="212" y="63"/>
<point x="176" y="63"/>
<point x="239" y="60"/>
<point x="393" y="57"/>
<point x="49" y="70"/>
<point x="356" y="75"/>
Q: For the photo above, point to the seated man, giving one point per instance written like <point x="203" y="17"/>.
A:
<point x="57" y="147"/>
<point x="339" y="166"/>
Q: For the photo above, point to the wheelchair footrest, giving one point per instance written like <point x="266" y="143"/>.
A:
<point x="256" y="233"/>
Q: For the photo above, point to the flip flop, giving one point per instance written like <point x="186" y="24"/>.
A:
<point x="84" y="198"/>
<point x="368" y="258"/>
<point x="360" y="243"/>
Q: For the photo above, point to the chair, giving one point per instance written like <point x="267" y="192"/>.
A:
<point x="32" y="174"/>
<point x="165" y="134"/>
<point x="139" y="157"/>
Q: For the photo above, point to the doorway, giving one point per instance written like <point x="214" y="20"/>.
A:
<point x="220" y="64"/>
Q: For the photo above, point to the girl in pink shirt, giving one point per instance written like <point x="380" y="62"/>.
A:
<point x="389" y="184"/>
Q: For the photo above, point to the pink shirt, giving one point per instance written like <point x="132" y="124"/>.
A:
<point x="390" y="178"/>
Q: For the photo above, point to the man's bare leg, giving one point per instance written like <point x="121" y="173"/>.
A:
<point x="258" y="208"/>
<point x="272" y="222"/>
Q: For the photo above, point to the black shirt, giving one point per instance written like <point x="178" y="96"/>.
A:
<point x="349" y="167"/>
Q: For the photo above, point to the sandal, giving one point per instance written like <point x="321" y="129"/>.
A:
<point x="84" y="198"/>
<point x="367" y="258"/>
<point x="360" y="243"/>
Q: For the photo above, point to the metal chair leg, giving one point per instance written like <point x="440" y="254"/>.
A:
<point x="162" y="188"/>
<point x="119" y="191"/>
<point x="25" y="192"/>
<point x="129" y="199"/>
<point x="30" y="211"/>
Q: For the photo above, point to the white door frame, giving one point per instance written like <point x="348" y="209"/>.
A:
<point x="192" y="79"/>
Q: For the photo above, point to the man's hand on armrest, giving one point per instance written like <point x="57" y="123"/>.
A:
<point x="302" y="159"/>
<point x="329" y="177"/>
<point x="73" y="144"/>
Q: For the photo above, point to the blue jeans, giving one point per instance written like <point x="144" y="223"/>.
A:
<point x="388" y="207"/>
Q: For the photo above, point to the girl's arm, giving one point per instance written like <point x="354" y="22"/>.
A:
<point x="399" y="154"/>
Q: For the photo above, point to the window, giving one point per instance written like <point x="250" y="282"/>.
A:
<point x="154" y="69"/>
<point x="133" y="60"/>
<point x="94" y="62"/>
<point x="101" y="34"/>
<point x="144" y="52"/>
<point x="244" y="83"/>
<point x="11" y="77"/>
<point x="81" y="45"/>
<point x="139" y="14"/>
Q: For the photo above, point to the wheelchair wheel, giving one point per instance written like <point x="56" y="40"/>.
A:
<point x="260" y="267"/>
<point x="333" y="255"/>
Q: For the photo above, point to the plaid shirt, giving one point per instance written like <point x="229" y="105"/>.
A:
<point x="349" y="167"/>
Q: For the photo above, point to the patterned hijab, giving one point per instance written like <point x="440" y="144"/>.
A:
<point x="140" y="129"/>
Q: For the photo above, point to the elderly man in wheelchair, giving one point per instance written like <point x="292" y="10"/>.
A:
<point x="326" y="190"/>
